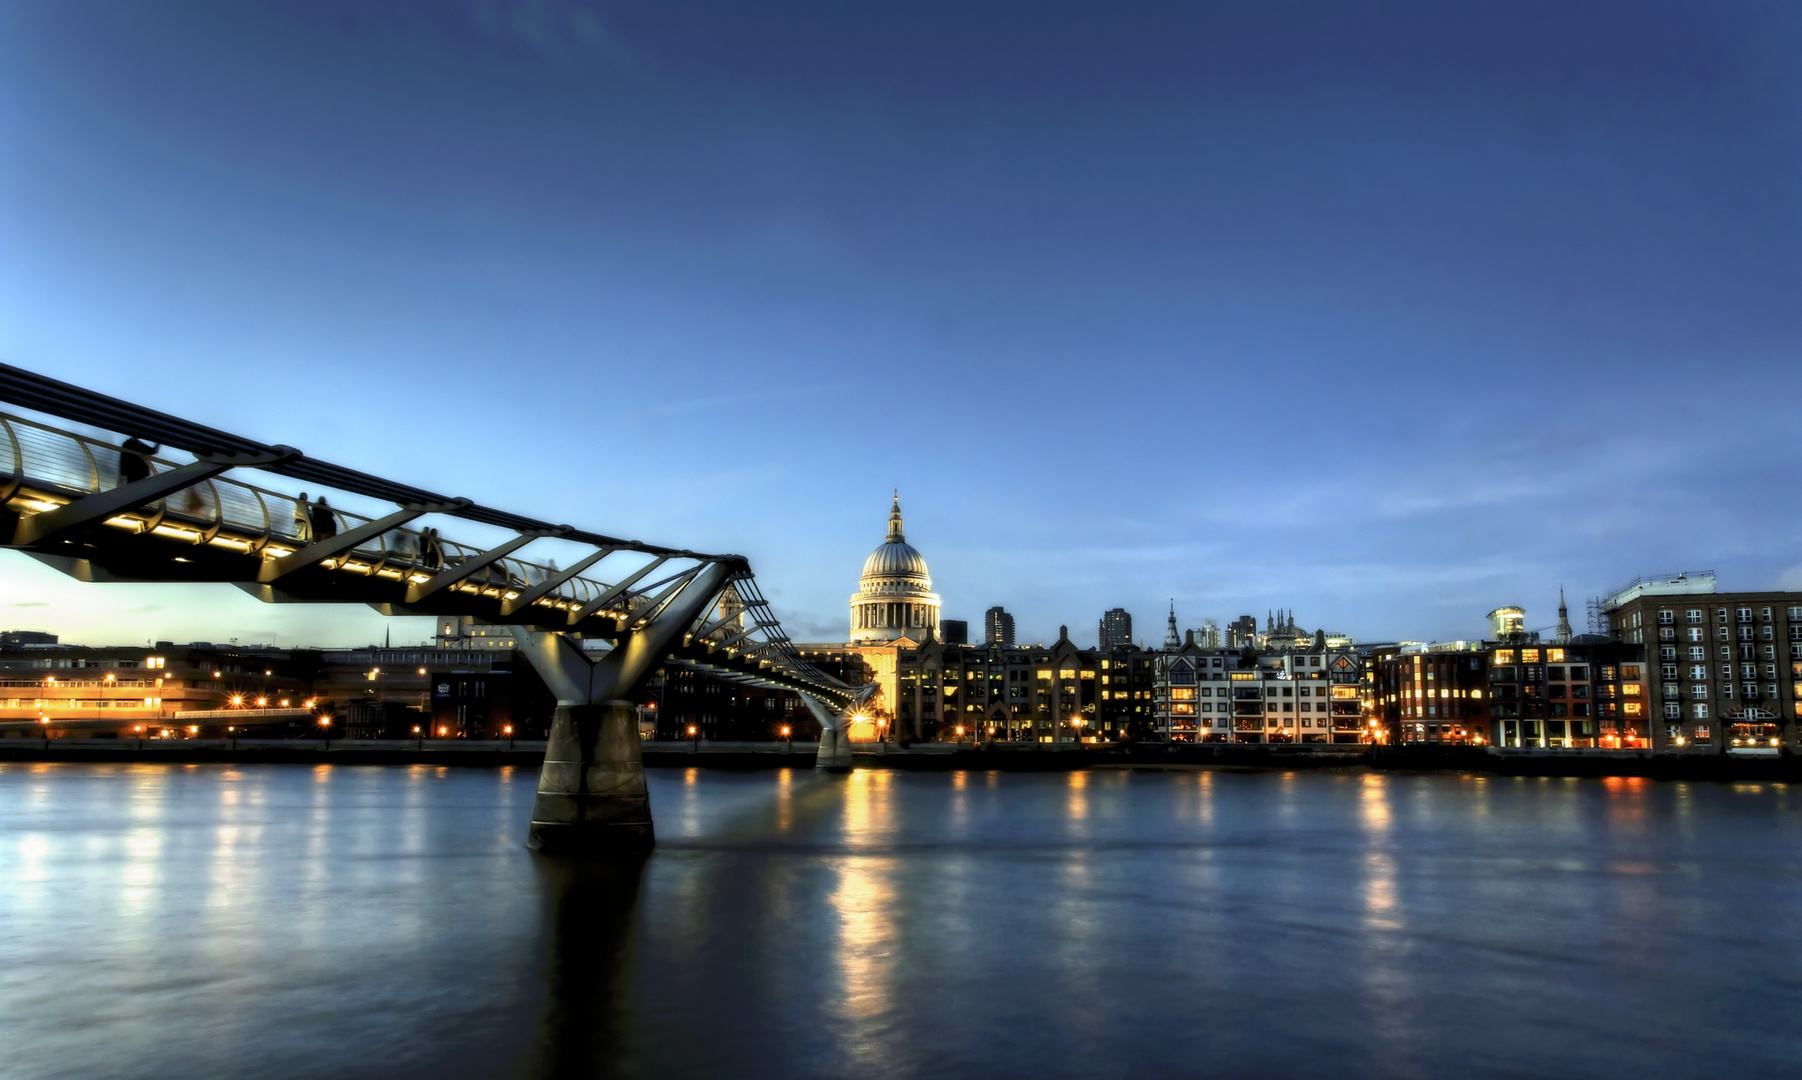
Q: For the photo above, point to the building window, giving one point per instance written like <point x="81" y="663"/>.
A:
<point x="1673" y="712"/>
<point x="1693" y="615"/>
<point x="1666" y="617"/>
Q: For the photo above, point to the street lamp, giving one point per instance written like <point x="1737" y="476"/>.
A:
<point x="508" y="730"/>
<point x="788" y="743"/>
<point x="694" y="733"/>
<point x="418" y="739"/>
<point x="325" y="726"/>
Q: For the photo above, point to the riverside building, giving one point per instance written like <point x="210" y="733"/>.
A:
<point x="1434" y="693"/>
<point x="1215" y="695"/>
<point x="953" y="693"/>
<point x="1580" y="695"/>
<point x="208" y="690"/>
<point x="1728" y="666"/>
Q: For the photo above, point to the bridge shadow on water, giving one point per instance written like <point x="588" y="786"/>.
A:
<point x="591" y="909"/>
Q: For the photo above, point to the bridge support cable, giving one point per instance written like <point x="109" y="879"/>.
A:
<point x="591" y="790"/>
<point x="616" y="591"/>
<point x="656" y="603"/>
<point x="553" y="582"/>
<point x="475" y="564"/>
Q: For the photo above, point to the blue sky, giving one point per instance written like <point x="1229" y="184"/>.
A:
<point x="1387" y="313"/>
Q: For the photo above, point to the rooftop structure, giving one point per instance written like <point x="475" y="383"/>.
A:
<point x="1684" y="583"/>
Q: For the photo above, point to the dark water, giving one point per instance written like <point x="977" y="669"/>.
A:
<point x="170" y="921"/>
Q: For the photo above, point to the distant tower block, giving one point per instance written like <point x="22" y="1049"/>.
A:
<point x="1116" y="628"/>
<point x="998" y="628"/>
<point x="1505" y="623"/>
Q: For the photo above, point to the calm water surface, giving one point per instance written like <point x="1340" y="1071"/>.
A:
<point x="285" y="921"/>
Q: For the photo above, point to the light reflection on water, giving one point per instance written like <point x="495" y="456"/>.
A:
<point x="336" y="921"/>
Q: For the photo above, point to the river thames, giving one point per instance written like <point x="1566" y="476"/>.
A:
<point x="334" y="921"/>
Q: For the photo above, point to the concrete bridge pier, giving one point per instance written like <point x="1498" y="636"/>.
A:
<point x="835" y="735"/>
<point x="591" y="791"/>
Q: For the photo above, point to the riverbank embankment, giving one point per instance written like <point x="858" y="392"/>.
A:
<point x="928" y="757"/>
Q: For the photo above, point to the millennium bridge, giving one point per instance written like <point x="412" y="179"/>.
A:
<point x="155" y="498"/>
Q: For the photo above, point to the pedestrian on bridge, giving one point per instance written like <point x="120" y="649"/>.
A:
<point x="134" y="459"/>
<point x="431" y="554"/>
<point x="325" y="523"/>
<point x="302" y="523"/>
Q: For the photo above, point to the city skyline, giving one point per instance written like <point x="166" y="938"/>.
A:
<point x="1390" y="319"/>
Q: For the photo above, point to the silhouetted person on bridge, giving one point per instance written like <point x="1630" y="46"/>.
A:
<point x="302" y="526"/>
<point x="431" y="555"/>
<point x="134" y="459"/>
<point x="325" y="523"/>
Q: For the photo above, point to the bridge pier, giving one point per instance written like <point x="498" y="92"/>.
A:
<point x="835" y="736"/>
<point x="591" y="791"/>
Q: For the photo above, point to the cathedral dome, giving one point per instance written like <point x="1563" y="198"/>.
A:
<point x="897" y="558"/>
<point x="894" y="596"/>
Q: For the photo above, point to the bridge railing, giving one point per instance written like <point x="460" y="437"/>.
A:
<point x="65" y="465"/>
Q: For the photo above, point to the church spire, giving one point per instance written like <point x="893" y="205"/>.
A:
<point x="894" y="521"/>
<point x="1172" y="641"/>
<point x="1564" y="630"/>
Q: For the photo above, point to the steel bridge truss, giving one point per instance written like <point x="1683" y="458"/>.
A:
<point x="66" y="500"/>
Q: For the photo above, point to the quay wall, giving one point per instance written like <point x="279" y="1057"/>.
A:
<point x="920" y="757"/>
